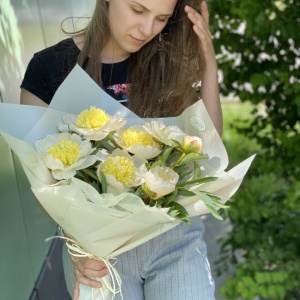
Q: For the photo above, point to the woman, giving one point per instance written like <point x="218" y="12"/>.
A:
<point x="155" y="52"/>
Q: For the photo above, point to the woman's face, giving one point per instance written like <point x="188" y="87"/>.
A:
<point x="133" y="23"/>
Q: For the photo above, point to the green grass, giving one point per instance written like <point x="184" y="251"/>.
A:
<point x="238" y="146"/>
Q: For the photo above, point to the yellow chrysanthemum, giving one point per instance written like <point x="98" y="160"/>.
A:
<point x="130" y="137"/>
<point x="66" y="151"/>
<point x="92" y="118"/>
<point x="121" y="167"/>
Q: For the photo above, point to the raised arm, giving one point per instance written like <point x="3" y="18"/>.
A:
<point x="209" y="83"/>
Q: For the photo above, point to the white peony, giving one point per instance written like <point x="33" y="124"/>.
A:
<point x="160" y="181"/>
<point x="92" y="124"/>
<point x="137" y="141"/>
<point x="65" y="153"/>
<point x="121" y="171"/>
<point x="164" y="134"/>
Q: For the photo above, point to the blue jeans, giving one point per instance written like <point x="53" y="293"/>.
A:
<point x="172" y="266"/>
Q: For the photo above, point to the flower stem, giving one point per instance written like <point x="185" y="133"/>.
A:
<point x="177" y="162"/>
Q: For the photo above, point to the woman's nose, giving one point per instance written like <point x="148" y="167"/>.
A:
<point x="146" y="27"/>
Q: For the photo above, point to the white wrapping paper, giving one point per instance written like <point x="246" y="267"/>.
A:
<point x="99" y="226"/>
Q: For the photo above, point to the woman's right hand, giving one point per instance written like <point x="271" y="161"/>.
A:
<point x="84" y="269"/>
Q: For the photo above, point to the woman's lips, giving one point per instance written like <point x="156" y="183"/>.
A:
<point x="137" y="41"/>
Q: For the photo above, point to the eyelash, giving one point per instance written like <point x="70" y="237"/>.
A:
<point x="138" y="12"/>
<point x="163" y="20"/>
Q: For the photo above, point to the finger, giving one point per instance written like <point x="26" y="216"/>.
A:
<point x="81" y="263"/>
<point x="88" y="281"/>
<point x="204" y="12"/>
<point x="76" y="291"/>
<point x="200" y="28"/>
<point x="201" y="21"/>
<point x="95" y="273"/>
<point x="203" y="39"/>
<point x="189" y="9"/>
<point x="196" y="18"/>
<point x="93" y="264"/>
<point x="92" y="268"/>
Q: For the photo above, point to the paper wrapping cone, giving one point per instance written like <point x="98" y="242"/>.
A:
<point x="100" y="229"/>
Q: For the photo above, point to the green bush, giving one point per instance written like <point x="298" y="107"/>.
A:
<point x="258" y="47"/>
<point x="264" y="242"/>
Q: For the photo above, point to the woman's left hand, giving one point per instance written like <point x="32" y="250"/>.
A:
<point x="201" y="28"/>
<point x="209" y="79"/>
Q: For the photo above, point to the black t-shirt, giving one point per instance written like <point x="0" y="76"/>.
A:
<point x="49" y="67"/>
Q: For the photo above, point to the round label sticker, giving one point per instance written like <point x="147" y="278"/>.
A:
<point x="197" y="123"/>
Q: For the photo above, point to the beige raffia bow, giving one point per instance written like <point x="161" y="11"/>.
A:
<point x="76" y="251"/>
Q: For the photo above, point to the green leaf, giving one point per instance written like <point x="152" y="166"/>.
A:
<point x="204" y="197"/>
<point x="90" y="173"/>
<point x="103" y="182"/>
<point x="165" y="154"/>
<point x="185" y="192"/>
<point x="80" y="175"/>
<point x="111" y="138"/>
<point x="214" y="212"/>
<point x="221" y="205"/>
<point x="168" y="199"/>
<point x="178" y="145"/>
<point x="260" y="277"/>
<point x="197" y="170"/>
<point x="140" y="192"/>
<point x="197" y="181"/>
<point x="179" y="207"/>
<point x="209" y="203"/>
<point x="248" y="281"/>
<point x="183" y="170"/>
<point x="258" y="80"/>
<point x="96" y="186"/>
<point x="181" y="214"/>
<point x="157" y="163"/>
<point x="106" y="145"/>
<point x="192" y="157"/>
<point x="188" y="173"/>
<point x="173" y="213"/>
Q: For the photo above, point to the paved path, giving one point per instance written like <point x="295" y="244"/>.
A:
<point x="215" y="229"/>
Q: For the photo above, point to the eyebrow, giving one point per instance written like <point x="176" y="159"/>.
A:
<point x="145" y="8"/>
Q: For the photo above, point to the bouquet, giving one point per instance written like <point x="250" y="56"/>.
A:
<point x="113" y="181"/>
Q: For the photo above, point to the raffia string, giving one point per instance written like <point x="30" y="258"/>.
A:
<point x="76" y="251"/>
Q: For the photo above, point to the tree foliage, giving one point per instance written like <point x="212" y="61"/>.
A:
<point x="258" y="48"/>
<point x="258" y="45"/>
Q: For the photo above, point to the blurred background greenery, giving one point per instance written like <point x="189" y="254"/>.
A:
<point x="258" y="47"/>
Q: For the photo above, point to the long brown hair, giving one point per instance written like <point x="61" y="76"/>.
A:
<point x="163" y="73"/>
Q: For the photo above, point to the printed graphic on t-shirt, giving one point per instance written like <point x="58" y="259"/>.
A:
<point x="121" y="91"/>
